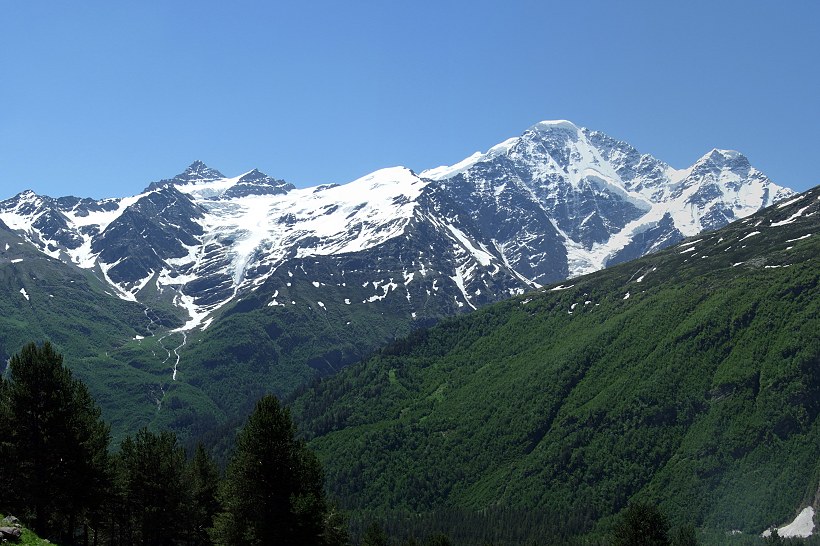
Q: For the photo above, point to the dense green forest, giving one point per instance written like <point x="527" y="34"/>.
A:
<point x="63" y="479"/>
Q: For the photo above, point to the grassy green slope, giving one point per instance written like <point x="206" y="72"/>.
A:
<point x="99" y="335"/>
<point x="254" y="348"/>
<point x="42" y="298"/>
<point x="699" y="391"/>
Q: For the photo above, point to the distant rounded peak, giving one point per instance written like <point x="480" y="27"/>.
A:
<point x="387" y="177"/>
<point x="382" y="189"/>
<point x="552" y="125"/>
<point x="398" y="172"/>
<point x="381" y="178"/>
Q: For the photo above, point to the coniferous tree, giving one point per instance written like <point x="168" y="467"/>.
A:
<point x="5" y="438"/>
<point x="335" y="532"/>
<point x="774" y="538"/>
<point x="58" y="458"/>
<point x="642" y="524"/>
<point x="272" y="492"/>
<point x="154" y="492"/>
<point x="374" y="535"/>
<point x="684" y="536"/>
<point x="204" y="481"/>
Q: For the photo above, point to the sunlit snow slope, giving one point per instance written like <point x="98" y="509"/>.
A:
<point x="608" y="202"/>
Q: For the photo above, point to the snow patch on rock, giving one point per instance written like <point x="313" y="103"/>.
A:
<point x="802" y="526"/>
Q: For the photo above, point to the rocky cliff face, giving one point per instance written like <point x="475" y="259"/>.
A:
<point x="566" y="200"/>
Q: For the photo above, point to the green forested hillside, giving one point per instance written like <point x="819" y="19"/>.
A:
<point x="42" y="298"/>
<point x="689" y="378"/>
<point x="110" y="342"/>
<point x="127" y="352"/>
<point x="201" y="383"/>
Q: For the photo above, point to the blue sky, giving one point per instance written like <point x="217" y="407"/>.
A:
<point x="100" y="98"/>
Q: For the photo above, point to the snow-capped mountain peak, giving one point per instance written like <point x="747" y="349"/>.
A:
<point x="723" y="160"/>
<point x="196" y="173"/>
<point x="503" y="148"/>
<point x="199" y="171"/>
<point x="607" y="201"/>
<point x="555" y="124"/>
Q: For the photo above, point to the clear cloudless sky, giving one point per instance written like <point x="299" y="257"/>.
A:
<point x="99" y="98"/>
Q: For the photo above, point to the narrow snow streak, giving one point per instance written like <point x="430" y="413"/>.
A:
<point x="806" y="236"/>
<point x="793" y="218"/>
<point x="176" y="352"/>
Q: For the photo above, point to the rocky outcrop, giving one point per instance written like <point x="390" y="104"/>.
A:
<point x="10" y="530"/>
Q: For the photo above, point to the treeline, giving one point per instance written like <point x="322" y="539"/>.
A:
<point x="639" y="524"/>
<point x="493" y="525"/>
<point x="61" y="477"/>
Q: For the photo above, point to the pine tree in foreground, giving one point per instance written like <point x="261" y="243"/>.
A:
<point x="6" y="446"/>
<point x="57" y="458"/>
<point x="273" y="491"/>
<point x="154" y="493"/>
<point x="203" y="479"/>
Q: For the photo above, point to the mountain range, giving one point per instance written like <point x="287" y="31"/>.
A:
<point x="556" y="202"/>
<point x="235" y="286"/>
